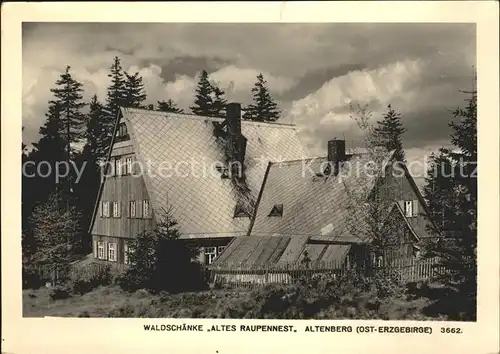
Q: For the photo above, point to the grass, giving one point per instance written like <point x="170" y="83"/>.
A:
<point x="111" y="301"/>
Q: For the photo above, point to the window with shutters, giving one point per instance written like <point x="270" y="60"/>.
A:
<point x="133" y="209"/>
<point x="112" y="251"/>
<point x="105" y="209"/>
<point x="128" y="166"/>
<point x="100" y="250"/>
<point x="116" y="209"/>
<point x="146" y="211"/>
<point x="408" y="208"/>
<point x="415" y="208"/>
<point x="125" y="254"/>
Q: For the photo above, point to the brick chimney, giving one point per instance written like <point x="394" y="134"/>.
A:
<point x="237" y="143"/>
<point x="336" y="154"/>
<point x="233" y="118"/>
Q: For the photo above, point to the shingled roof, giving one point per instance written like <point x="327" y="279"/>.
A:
<point x="202" y="202"/>
<point x="313" y="207"/>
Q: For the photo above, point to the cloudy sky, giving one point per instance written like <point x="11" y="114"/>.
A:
<point x="315" y="71"/>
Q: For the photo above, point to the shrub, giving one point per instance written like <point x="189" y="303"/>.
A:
<point x="59" y="293"/>
<point x="159" y="260"/>
<point x="91" y="277"/>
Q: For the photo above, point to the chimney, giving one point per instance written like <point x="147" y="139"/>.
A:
<point x="233" y="118"/>
<point x="236" y="141"/>
<point x="336" y="153"/>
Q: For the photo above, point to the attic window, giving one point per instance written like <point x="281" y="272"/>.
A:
<point x="223" y="170"/>
<point x="277" y="210"/>
<point x="122" y="133"/>
<point x="241" y="212"/>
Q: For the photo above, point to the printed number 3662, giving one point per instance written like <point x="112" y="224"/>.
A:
<point x="451" y="330"/>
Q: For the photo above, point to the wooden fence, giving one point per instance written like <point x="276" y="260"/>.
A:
<point x="405" y="270"/>
<point x="61" y="272"/>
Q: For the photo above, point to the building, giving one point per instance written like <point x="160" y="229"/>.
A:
<point x="326" y="211"/>
<point x="207" y="170"/>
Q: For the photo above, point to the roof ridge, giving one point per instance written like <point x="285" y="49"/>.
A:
<point x="198" y="117"/>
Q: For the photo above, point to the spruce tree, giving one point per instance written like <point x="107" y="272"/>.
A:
<point x="168" y="106"/>
<point x="160" y="260"/>
<point x="96" y="134"/>
<point x="389" y="133"/>
<point x="264" y="108"/>
<point x="203" y="102"/>
<point x="48" y="151"/>
<point x="116" y="94"/>
<point x="135" y="93"/>
<point x="218" y="108"/>
<point x="56" y="230"/>
<point x="454" y="195"/>
<point x="68" y="97"/>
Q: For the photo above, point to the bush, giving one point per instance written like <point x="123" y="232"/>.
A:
<point x="59" y="293"/>
<point x="160" y="260"/>
<point x="90" y="278"/>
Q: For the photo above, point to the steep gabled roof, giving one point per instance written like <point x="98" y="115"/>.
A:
<point x="313" y="205"/>
<point x="202" y="202"/>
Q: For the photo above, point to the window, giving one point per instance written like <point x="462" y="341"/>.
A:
<point x="240" y="211"/>
<point x="128" y="166"/>
<point x="220" y="249"/>
<point x="223" y="170"/>
<point x="118" y="167"/>
<point x="116" y="209"/>
<point x="210" y="254"/>
<point x="105" y="209"/>
<point x="408" y="208"/>
<point x="125" y="254"/>
<point x="132" y="209"/>
<point x="277" y="210"/>
<point x="146" y="212"/>
<point x="411" y="208"/>
<point x="100" y="250"/>
<point x="122" y="133"/>
<point x="112" y="251"/>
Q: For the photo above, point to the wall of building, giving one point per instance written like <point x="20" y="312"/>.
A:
<point x="401" y="189"/>
<point x="123" y="189"/>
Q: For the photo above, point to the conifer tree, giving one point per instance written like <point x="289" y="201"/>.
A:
<point x="219" y="102"/>
<point x="50" y="149"/>
<point x="264" y="108"/>
<point x="389" y="133"/>
<point x="168" y="106"/>
<point x="96" y="135"/>
<point x="135" y="93"/>
<point x="160" y="260"/>
<point x="454" y="196"/>
<point x="56" y="230"/>
<point x="68" y="97"/>
<point x="116" y="90"/>
<point x="203" y="102"/>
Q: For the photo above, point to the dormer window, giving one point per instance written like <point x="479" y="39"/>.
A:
<point x="241" y="212"/>
<point x="122" y="133"/>
<point x="277" y="210"/>
<point x="223" y="170"/>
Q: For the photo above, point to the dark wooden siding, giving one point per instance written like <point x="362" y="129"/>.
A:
<point x="401" y="189"/>
<point x="123" y="189"/>
<point x="120" y="242"/>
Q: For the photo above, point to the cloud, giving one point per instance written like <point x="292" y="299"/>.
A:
<point x="323" y="114"/>
<point x="313" y="70"/>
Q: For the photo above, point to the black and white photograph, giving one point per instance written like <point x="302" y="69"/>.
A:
<point x="249" y="170"/>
